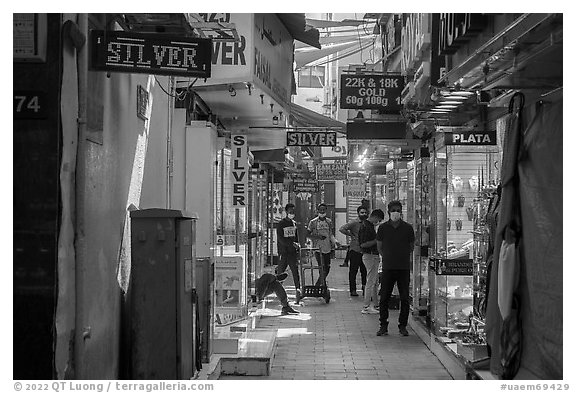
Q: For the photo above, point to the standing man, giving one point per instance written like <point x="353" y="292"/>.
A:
<point x="395" y="241"/>
<point x="354" y="252"/>
<point x="288" y="245"/>
<point x="320" y="231"/>
<point x="371" y="259"/>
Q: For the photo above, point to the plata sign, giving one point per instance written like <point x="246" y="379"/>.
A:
<point x="150" y="53"/>
<point x="310" y="138"/>
<point x="478" y="138"/>
<point x="371" y="91"/>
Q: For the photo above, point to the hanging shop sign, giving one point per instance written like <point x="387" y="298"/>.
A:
<point x="453" y="267"/>
<point x="310" y="138"/>
<point x="356" y="187"/>
<point x="371" y="91"/>
<point x="331" y="171"/>
<point x="476" y="138"/>
<point x="416" y="38"/>
<point x="239" y="169"/>
<point x="457" y="29"/>
<point x="159" y="54"/>
<point x="273" y="56"/>
<point x="304" y="185"/>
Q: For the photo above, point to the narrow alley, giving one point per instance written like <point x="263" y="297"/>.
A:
<point x="336" y="341"/>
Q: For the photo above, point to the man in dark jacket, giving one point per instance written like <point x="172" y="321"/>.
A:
<point x="395" y="242"/>
<point x="288" y="245"/>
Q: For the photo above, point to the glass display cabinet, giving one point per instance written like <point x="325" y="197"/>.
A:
<point x="422" y="217"/>
<point x="462" y="168"/>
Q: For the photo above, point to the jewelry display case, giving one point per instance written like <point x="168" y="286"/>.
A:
<point x="461" y="171"/>
<point x="422" y="180"/>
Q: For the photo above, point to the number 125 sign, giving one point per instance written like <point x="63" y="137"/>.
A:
<point x="29" y="105"/>
<point x="371" y="91"/>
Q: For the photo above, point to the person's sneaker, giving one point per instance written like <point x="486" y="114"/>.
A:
<point x="353" y="293"/>
<point x="289" y="311"/>
<point x="383" y="331"/>
<point x="282" y="276"/>
<point x="403" y="330"/>
<point x="370" y="310"/>
<point x="344" y="265"/>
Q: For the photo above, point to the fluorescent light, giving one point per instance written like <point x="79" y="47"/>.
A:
<point x="445" y="106"/>
<point x="455" y="98"/>
<point x="462" y="93"/>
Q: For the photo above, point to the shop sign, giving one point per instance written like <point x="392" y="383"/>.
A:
<point x="159" y="54"/>
<point x="228" y="273"/>
<point x="356" y="187"/>
<point x="273" y="56"/>
<point x="477" y="138"/>
<point x="305" y="185"/>
<point x="239" y="169"/>
<point x="331" y="171"/>
<point x="453" y="267"/>
<point x="371" y="91"/>
<point x="339" y="150"/>
<point x="310" y="138"/>
<point x="231" y="61"/>
<point x="457" y="29"/>
<point x="416" y="38"/>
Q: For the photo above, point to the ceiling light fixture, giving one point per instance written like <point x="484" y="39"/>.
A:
<point x="462" y="93"/>
<point x="262" y="99"/>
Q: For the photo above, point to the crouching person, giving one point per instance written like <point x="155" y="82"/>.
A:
<point x="270" y="283"/>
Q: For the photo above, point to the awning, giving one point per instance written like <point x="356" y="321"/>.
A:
<point x="296" y="25"/>
<point x="303" y="117"/>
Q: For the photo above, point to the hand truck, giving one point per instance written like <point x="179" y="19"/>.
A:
<point x="307" y="261"/>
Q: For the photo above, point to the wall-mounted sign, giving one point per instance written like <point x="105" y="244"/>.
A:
<point x="453" y="267"/>
<point x="29" y="105"/>
<point x="310" y="138"/>
<point x="416" y="37"/>
<point x="371" y="91"/>
<point x="239" y="170"/>
<point x="477" y="138"/>
<point x="356" y="187"/>
<point x="305" y="185"/>
<point x="331" y="171"/>
<point x="457" y="29"/>
<point x="150" y="53"/>
<point x="29" y="37"/>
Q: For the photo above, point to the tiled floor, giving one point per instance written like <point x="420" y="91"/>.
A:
<point x="335" y="341"/>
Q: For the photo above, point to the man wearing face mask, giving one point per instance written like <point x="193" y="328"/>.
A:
<point x="320" y="231"/>
<point x="355" y="253"/>
<point x="288" y="245"/>
<point x="395" y="241"/>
